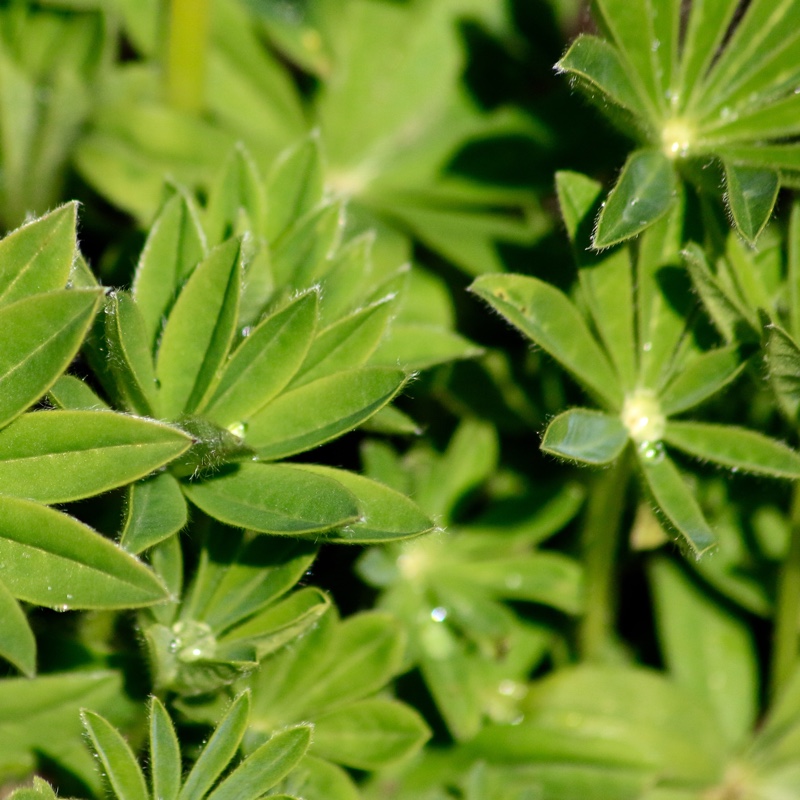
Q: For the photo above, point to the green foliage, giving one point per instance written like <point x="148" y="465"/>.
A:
<point x="285" y="360"/>
<point x="690" y="90"/>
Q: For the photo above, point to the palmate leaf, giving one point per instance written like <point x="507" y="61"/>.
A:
<point x="692" y="84"/>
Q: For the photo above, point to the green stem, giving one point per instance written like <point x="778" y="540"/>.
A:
<point x="600" y="542"/>
<point x="787" y="611"/>
<point x="187" y="43"/>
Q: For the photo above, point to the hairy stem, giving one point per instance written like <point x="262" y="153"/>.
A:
<point x="787" y="611"/>
<point x="187" y="43"/>
<point x="600" y="542"/>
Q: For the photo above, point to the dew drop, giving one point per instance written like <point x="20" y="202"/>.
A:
<point x="238" y="429"/>
<point x="439" y="614"/>
<point x="647" y="347"/>
<point x="246" y="331"/>
<point x="652" y="451"/>
<point x="734" y="470"/>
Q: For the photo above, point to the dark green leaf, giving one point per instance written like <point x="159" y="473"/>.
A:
<point x="59" y="456"/>
<point x="587" y="436"/>
<point x="738" y="448"/>
<point x="674" y="498"/>
<point x="53" y="560"/>
<point x="38" y="256"/>
<point x="645" y="191"/>
<point x="598" y="64"/>
<point x="120" y="767"/>
<point x="275" y="499"/>
<point x="199" y="331"/>
<point x="322" y="410"/>
<point x="370" y="734"/>
<point x="44" y="332"/>
<point x="702" y="378"/>
<point x="751" y="194"/>
<point x="577" y="196"/>
<point x="155" y="510"/>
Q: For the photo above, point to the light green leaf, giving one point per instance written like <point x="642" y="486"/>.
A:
<point x="674" y="498"/>
<point x="420" y="346"/>
<point x="348" y="343"/>
<point x="265" y="362"/>
<point x="72" y="394"/>
<point x="294" y="186"/>
<point x="751" y="194"/>
<point x="129" y="356"/>
<point x="364" y="655"/>
<point x="238" y="191"/>
<point x="41" y="790"/>
<point x="199" y="331"/>
<point x="276" y="499"/>
<point x="322" y="410"/>
<point x="708" y="650"/>
<point x="44" y="332"/>
<point x="645" y="191"/>
<point x="617" y="717"/>
<point x="38" y="256"/>
<point x="267" y="765"/>
<point x="386" y="515"/>
<point x="219" y="750"/>
<point x="175" y="245"/>
<point x="547" y="317"/>
<point x="549" y="578"/>
<point x="53" y="560"/>
<point x="302" y="253"/>
<point x="154" y="511"/>
<point x="119" y="765"/>
<point x="316" y="779"/>
<point x="165" y="753"/>
<point x="370" y="734"/>
<point x="701" y="378"/>
<point x="738" y="448"/>
<point x="59" y="456"/>
<point x="17" y="642"/>
<point x="587" y="436"/>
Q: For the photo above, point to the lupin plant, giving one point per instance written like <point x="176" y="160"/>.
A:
<point x="580" y="566"/>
